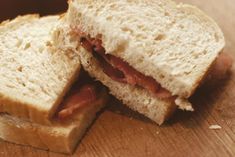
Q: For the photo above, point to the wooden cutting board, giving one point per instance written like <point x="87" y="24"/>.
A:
<point x="119" y="132"/>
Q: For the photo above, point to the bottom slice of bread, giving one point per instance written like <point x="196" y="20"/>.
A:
<point x="136" y="98"/>
<point x="60" y="136"/>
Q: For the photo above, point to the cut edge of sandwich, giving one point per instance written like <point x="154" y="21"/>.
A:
<point x="137" y="99"/>
<point x="180" y="82"/>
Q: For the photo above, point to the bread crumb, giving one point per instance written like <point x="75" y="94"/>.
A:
<point x="215" y="127"/>
<point x="183" y="104"/>
<point x="157" y="132"/>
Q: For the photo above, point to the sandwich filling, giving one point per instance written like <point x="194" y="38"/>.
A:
<point x="78" y="99"/>
<point x="121" y="71"/>
<point x="82" y="95"/>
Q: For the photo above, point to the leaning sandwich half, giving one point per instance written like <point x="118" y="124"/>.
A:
<point x="152" y="55"/>
<point x="38" y="107"/>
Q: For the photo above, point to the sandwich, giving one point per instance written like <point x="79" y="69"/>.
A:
<point x="151" y="54"/>
<point x="46" y="101"/>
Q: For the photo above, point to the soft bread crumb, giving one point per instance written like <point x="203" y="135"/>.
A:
<point x="215" y="127"/>
<point x="184" y="104"/>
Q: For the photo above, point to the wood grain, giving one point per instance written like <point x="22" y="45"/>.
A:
<point x="119" y="132"/>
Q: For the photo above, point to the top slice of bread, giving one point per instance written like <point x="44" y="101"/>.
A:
<point x="34" y="75"/>
<point x="174" y="43"/>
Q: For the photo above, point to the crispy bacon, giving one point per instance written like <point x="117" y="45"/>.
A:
<point x="121" y="71"/>
<point x="77" y="100"/>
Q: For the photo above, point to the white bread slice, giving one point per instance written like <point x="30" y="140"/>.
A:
<point x="34" y="75"/>
<point x="58" y="137"/>
<point x="174" y="43"/>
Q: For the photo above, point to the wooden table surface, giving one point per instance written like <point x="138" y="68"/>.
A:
<point x="119" y="132"/>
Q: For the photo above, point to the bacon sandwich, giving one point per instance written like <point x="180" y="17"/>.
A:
<point x="151" y="54"/>
<point x="45" y="101"/>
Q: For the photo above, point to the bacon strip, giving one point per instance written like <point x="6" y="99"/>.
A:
<point x="121" y="71"/>
<point x="77" y="100"/>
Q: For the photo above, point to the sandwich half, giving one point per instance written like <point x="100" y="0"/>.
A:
<point x="37" y="106"/>
<point x="151" y="54"/>
<point x="34" y="76"/>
